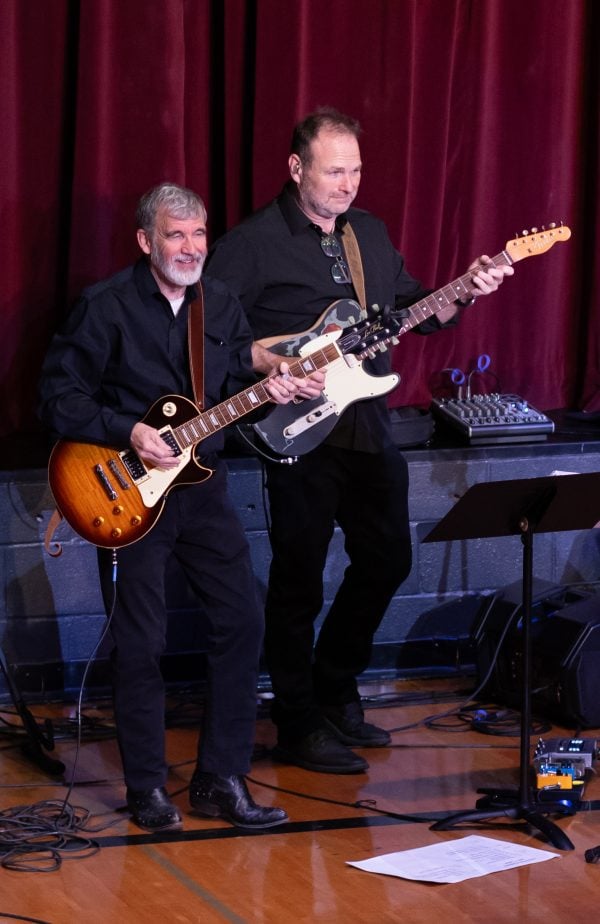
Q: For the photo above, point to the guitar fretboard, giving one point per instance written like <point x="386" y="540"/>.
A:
<point x="254" y="397"/>
<point x="447" y="295"/>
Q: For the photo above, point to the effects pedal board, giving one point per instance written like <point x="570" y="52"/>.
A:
<point x="563" y="764"/>
<point x="582" y="751"/>
<point x="493" y="418"/>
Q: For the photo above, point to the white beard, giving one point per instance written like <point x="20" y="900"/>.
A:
<point x="175" y="272"/>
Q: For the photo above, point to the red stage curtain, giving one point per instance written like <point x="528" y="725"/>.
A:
<point x="480" y="120"/>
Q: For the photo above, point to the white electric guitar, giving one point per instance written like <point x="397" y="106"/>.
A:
<point x="298" y="427"/>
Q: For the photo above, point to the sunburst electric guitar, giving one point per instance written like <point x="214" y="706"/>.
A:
<point x="296" y="428"/>
<point x="112" y="498"/>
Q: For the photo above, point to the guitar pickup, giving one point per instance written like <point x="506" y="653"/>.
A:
<point x="133" y="464"/>
<point x="310" y="419"/>
<point x="169" y="438"/>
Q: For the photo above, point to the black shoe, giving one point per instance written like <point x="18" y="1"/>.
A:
<point x="347" y="722"/>
<point x="152" y="810"/>
<point x="228" y="797"/>
<point x="322" y="752"/>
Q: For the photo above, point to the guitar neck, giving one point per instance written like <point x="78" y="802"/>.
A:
<point x="446" y="296"/>
<point x="245" y="402"/>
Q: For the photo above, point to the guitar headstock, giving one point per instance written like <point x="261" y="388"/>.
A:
<point x="530" y="243"/>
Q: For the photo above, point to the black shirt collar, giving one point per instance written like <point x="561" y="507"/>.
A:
<point x="293" y="215"/>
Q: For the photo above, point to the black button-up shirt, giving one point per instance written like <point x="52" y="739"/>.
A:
<point x="122" y="348"/>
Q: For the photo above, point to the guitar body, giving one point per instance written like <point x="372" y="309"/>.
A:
<point x="300" y="426"/>
<point x="109" y="496"/>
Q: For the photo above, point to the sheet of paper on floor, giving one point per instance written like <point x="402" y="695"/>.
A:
<point x="454" y="861"/>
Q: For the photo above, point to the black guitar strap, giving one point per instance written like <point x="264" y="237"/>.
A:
<point x="355" y="263"/>
<point x="196" y="345"/>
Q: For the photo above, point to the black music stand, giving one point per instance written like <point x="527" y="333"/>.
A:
<point x="522" y="507"/>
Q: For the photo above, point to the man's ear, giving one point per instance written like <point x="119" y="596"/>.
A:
<point x="295" y="165"/>
<point x="143" y="240"/>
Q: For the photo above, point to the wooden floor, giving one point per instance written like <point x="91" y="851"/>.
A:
<point x="211" y="872"/>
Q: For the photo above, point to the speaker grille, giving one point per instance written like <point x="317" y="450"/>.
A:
<point x="565" y="652"/>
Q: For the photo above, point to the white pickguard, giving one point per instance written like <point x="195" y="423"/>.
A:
<point x="299" y="427"/>
<point x="345" y="380"/>
<point x="156" y="482"/>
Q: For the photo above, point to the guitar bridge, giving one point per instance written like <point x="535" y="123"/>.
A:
<point x="105" y="482"/>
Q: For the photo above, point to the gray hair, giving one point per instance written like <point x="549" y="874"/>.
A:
<point x="176" y="200"/>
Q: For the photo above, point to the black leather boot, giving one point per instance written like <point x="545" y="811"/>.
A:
<point x="228" y="797"/>
<point x="152" y="810"/>
<point x="347" y="722"/>
<point x="321" y="751"/>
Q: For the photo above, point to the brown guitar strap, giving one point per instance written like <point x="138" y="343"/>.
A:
<point x="196" y="346"/>
<point x="53" y="524"/>
<point x="355" y="263"/>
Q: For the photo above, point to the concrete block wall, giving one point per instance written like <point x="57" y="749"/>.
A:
<point x="52" y="616"/>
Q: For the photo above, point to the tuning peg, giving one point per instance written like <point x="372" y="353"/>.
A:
<point x="552" y="224"/>
<point x="524" y="233"/>
<point x="534" y="230"/>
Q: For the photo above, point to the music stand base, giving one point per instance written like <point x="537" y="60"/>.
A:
<point x="507" y="804"/>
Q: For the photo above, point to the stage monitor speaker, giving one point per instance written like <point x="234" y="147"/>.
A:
<point x="565" y="652"/>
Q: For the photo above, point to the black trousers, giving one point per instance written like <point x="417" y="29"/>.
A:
<point x="367" y="494"/>
<point x="200" y="528"/>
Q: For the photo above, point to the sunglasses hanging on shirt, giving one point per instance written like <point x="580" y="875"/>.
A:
<point x="340" y="270"/>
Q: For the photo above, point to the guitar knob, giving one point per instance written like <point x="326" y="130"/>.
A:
<point x="118" y="510"/>
<point x="98" y="521"/>
<point x="136" y="520"/>
<point x="115" y="533"/>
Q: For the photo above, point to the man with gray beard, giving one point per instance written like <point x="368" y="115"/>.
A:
<point x="124" y="346"/>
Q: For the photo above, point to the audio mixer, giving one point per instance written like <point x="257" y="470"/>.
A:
<point x="493" y="418"/>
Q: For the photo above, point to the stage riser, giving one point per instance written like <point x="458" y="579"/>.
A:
<point x="52" y="612"/>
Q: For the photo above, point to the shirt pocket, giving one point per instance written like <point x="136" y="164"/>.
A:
<point x="216" y="365"/>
